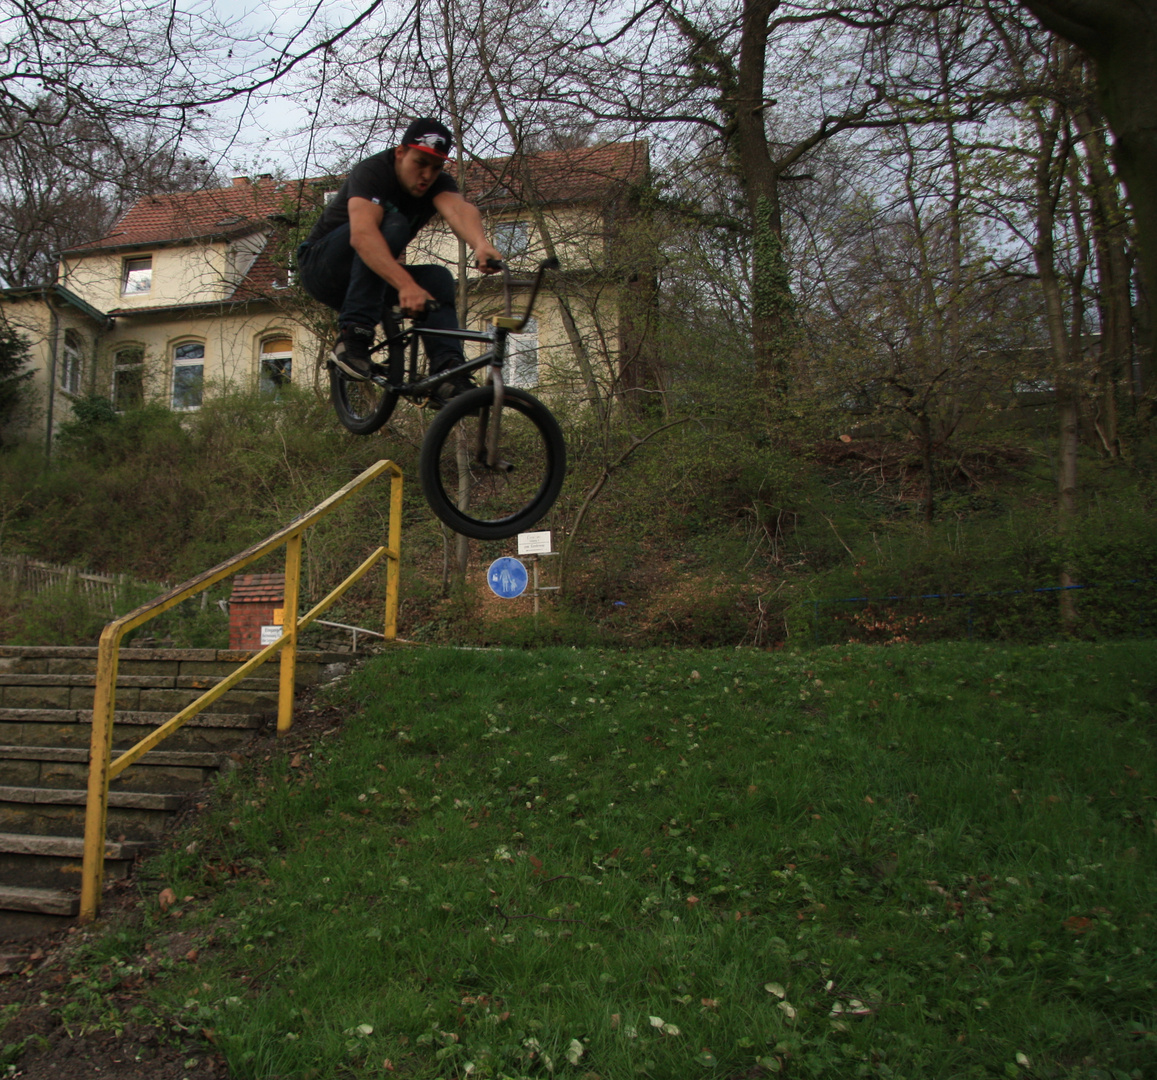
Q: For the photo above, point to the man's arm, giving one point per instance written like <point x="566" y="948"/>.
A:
<point x="466" y="222"/>
<point x="367" y="240"/>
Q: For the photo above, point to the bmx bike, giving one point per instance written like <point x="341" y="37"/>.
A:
<point x="493" y="459"/>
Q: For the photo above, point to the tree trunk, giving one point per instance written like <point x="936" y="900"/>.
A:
<point x="771" y="299"/>
<point x="1067" y="413"/>
<point x="1113" y="277"/>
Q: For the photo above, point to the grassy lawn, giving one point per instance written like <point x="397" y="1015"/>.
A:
<point x="903" y="862"/>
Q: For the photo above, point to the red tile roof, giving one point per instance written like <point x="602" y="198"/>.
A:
<point x="595" y="174"/>
<point x="197" y="215"/>
<point x="587" y="174"/>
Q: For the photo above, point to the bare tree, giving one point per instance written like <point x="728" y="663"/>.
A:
<point x="67" y="182"/>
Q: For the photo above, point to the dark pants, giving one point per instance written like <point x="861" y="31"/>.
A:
<point x="333" y="273"/>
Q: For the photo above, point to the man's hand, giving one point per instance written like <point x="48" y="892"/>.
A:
<point x="483" y="253"/>
<point x="412" y="299"/>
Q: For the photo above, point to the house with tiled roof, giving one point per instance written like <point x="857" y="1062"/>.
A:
<point x="190" y="294"/>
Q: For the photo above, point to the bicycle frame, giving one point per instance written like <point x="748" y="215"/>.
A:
<point x="401" y="347"/>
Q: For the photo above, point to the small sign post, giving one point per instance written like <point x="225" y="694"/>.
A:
<point x="269" y="634"/>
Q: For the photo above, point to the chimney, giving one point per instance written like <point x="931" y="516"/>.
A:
<point x="240" y="181"/>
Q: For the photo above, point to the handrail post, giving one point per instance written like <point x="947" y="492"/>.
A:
<point x="289" y="629"/>
<point x="394" y="558"/>
<point x="96" y="808"/>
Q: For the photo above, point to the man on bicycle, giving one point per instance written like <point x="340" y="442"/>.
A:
<point x="350" y="260"/>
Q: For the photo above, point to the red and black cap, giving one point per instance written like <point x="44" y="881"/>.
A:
<point x="430" y="136"/>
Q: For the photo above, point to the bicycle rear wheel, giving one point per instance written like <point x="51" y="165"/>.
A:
<point x="361" y="406"/>
<point x="492" y="503"/>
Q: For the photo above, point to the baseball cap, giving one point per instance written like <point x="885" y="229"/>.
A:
<point x="430" y="136"/>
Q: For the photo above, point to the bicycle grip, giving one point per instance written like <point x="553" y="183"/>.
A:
<point x="431" y="305"/>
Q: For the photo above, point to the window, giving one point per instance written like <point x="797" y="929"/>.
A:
<point x="276" y="365"/>
<point x="188" y="375"/>
<point x="128" y="381"/>
<point x="522" y="356"/>
<point x="71" y="362"/>
<point x="512" y="238"/>
<point x="138" y="276"/>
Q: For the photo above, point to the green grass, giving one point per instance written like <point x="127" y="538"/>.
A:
<point x="907" y="862"/>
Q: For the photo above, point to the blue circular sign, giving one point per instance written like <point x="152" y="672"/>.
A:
<point x="506" y="578"/>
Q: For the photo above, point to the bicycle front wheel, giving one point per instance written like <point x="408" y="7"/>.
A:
<point x="484" y="502"/>
<point x="361" y="406"/>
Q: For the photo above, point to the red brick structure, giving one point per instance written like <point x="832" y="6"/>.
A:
<point x="254" y="599"/>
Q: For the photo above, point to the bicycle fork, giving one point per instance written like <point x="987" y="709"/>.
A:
<point x="490" y="426"/>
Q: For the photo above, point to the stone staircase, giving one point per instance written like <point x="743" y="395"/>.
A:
<point x="46" y="697"/>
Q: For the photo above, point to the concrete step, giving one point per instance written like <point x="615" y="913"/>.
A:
<point x="67" y="767"/>
<point x="73" y="727"/>
<point x="54" y="862"/>
<point x="151" y="693"/>
<point x="26" y="911"/>
<point x="46" y="698"/>
<point x="132" y="815"/>
<point x="52" y="660"/>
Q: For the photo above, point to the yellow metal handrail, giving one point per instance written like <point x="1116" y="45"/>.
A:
<point x="102" y="769"/>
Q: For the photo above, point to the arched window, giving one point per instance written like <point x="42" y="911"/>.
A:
<point x="128" y="380"/>
<point x="71" y="362"/>
<point x="188" y="375"/>
<point x="276" y="366"/>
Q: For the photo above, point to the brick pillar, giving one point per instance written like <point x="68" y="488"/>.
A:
<point x="255" y="596"/>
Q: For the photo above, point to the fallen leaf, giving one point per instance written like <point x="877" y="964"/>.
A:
<point x="776" y="989"/>
<point x="1078" y="924"/>
<point x="788" y="1008"/>
<point x="295" y="761"/>
<point x="692" y="901"/>
<point x="166" y="899"/>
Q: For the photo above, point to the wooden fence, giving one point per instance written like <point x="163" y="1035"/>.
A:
<point x="31" y="575"/>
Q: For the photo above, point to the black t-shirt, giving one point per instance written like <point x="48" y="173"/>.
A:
<point x="375" y="179"/>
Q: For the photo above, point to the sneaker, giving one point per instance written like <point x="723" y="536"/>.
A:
<point x="352" y="351"/>
<point x="452" y="387"/>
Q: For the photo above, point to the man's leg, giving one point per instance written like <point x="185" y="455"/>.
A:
<point x="332" y="272"/>
<point x="439" y="283"/>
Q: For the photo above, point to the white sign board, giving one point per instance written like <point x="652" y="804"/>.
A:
<point x="269" y="634"/>
<point x="534" y="543"/>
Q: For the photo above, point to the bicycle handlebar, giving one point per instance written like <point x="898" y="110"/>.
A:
<point x="535" y="285"/>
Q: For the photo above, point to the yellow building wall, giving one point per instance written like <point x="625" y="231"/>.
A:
<point x="577" y="235"/>
<point x="189" y="274"/>
<point x="232" y="342"/>
<point x="42" y="325"/>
